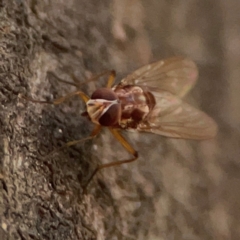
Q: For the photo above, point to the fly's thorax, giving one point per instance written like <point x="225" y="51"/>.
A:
<point x="104" y="108"/>
<point x="136" y="103"/>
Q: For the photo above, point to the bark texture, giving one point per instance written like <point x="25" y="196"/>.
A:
<point x="177" y="189"/>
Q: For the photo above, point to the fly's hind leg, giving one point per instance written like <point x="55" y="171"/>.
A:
<point x="126" y="145"/>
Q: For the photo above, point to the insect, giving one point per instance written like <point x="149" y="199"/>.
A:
<point x="147" y="100"/>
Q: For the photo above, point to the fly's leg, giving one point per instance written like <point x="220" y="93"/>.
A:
<point x="60" y="100"/>
<point x="93" y="134"/>
<point x="111" y="78"/>
<point x="85" y="98"/>
<point x="57" y="101"/>
<point x="126" y="145"/>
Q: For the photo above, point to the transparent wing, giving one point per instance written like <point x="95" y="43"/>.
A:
<point x="176" y="75"/>
<point x="173" y="117"/>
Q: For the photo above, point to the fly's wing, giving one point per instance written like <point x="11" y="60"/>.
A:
<point x="176" y="75"/>
<point x="172" y="117"/>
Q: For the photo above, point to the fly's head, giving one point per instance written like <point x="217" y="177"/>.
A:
<point x="104" y="107"/>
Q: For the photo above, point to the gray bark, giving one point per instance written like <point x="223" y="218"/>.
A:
<point x="177" y="189"/>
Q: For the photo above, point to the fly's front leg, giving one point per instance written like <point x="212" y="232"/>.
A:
<point x="126" y="145"/>
<point x="57" y="101"/>
<point x="81" y="94"/>
<point x="60" y="100"/>
<point x="76" y="83"/>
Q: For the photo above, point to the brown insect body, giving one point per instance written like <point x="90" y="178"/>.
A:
<point x="136" y="103"/>
<point x="150" y="100"/>
<point x="120" y="107"/>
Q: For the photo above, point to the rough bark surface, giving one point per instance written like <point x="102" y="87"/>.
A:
<point x="177" y="189"/>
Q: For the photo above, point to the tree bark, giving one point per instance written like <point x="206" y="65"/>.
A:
<point x="177" y="189"/>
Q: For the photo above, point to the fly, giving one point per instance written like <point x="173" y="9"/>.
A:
<point x="148" y="100"/>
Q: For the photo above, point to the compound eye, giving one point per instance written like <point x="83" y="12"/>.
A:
<point x="104" y="93"/>
<point x="111" y="116"/>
